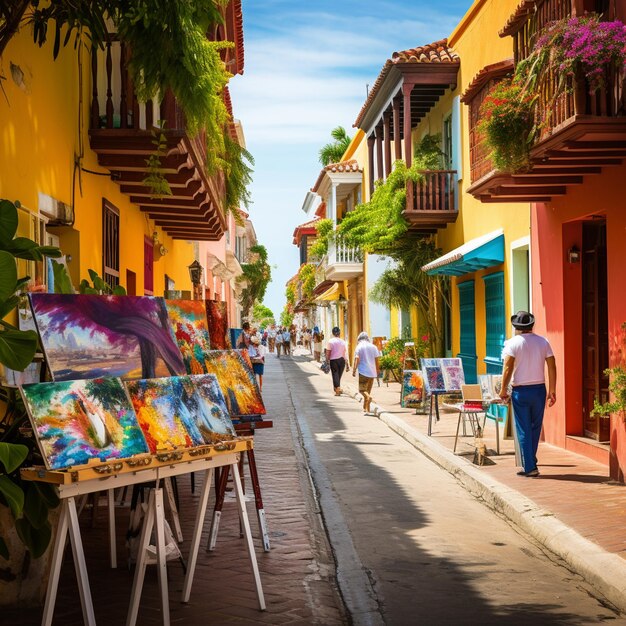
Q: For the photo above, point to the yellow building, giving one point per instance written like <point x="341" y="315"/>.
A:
<point x="74" y="142"/>
<point x="485" y="246"/>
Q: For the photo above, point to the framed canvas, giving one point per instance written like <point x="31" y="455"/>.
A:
<point x="77" y="421"/>
<point x="453" y="376"/>
<point x="187" y="319"/>
<point x="85" y="336"/>
<point x="485" y="382"/>
<point x="237" y="382"/>
<point x="159" y="412"/>
<point x="217" y="320"/>
<point x="412" y="388"/>
<point x="433" y="375"/>
<point x="195" y="403"/>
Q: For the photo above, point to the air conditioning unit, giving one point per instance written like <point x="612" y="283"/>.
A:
<point x="58" y="213"/>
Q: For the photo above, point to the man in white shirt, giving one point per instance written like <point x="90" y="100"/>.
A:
<point x="366" y="362"/>
<point x="525" y="358"/>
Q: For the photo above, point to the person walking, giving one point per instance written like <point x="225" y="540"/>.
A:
<point x="337" y="357"/>
<point x="256" y="351"/>
<point x="279" y="341"/>
<point x="318" y="337"/>
<point x="367" y="362"/>
<point x="286" y="341"/>
<point x="525" y="358"/>
<point x="271" y="337"/>
<point x="244" y="338"/>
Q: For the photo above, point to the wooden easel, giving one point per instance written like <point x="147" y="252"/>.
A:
<point x="70" y="486"/>
<point x="242" y="429"/>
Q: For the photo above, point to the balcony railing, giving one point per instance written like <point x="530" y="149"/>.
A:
<point x="339" y="252"/>
<point x="431" y="203"/>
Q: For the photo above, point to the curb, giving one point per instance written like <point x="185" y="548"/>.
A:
<point x="606" y="572"/>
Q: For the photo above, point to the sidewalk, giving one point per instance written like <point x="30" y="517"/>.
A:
<point x="573" y="508"/>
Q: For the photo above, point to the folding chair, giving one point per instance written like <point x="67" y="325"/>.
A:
<point x="470" y="408"/>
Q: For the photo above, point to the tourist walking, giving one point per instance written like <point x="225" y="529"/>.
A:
<point x="525" y="358"/>
<point x="279" y="341"/>
<point x="366" y="362"/>
<point x="286" y="341"/>
<point x="318" y="337"/>
<point x="337" y="357"/>
<point x="256" y="351"/>
<point x="271" y="337"/>
<point x="244" y="338"/>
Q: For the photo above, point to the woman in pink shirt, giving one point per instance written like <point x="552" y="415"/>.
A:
<point x="337" y="357"/>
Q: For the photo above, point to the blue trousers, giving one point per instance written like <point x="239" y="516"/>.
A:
<point x="529" y="403"/>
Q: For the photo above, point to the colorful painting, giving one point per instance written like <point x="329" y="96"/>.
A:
<point x="237" y="382"/>
<point x="217" y="320"/>
<point x="496" y="385"/>
<point x="188" y="323"/>
<point x="87" y="336"/>
<point x="181" y="411"/>
<point x="453" y="376"/>
<point x="433" y="375"/>
<point x="412" y="388"/>
<point x="77" y="421"/>
<point x="157" y="409"/>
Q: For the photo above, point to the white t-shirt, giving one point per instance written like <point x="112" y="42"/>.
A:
<point x="367" y="353"/>
<point x="530" y="352"/>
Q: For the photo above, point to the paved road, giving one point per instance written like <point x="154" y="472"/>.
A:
<point x="412" y="546"/>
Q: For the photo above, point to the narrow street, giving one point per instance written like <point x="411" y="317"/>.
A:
<point x="430" y="552"/>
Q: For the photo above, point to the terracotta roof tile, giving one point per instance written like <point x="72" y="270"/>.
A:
<point x="489" y="72"/>
<point x="345" y="166"/>
<point x="519" y="16"/>
<point x="436" y="52"/>
<point x="239" y="35"/>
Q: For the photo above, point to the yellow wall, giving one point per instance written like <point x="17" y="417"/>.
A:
<point x="478" y="44"/>
<point x="39" y="137"/>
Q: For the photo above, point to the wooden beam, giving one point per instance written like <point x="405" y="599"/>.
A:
<point x="370" y="161"/>
<point x="175" y="179"/>
<point x="488" y="199"/>
<point x="387" y="140"/>
<point x="396" y="128"/>
<point x="531" y="180"/>
<point x="546" y="169"/>
<point x="596" y="145"/>
<point x="380" y="175"/>
<point x="191" y="203"/>
<point x="585" y="156"/>
<point x="539" y="190"/>
<point x="173" y="162"/>
<point x="188" y="191"/>
<point x="407" y="88"/>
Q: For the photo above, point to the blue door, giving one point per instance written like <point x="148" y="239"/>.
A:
<point x="495" y="320"/>
<point x="467" y="311"/>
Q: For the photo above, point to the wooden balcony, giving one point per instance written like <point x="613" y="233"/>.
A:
<point x="579" y="132"/>
<point x="431" y="204"/>
<point x="121" y="135"/>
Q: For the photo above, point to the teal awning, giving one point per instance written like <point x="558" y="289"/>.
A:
<point x="477" y="254"/>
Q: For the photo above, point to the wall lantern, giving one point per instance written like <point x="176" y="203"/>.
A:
<point x="573" y="255"/>
<point x="195" y="273"/>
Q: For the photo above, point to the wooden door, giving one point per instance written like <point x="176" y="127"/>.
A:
<point x="595" y="328"/>
<point x="148" y="266"/>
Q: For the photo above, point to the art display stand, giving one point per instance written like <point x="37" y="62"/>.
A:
<point x="242" y="429"/>
<point x="434" y="403"/>
<point x="81" y="481"/>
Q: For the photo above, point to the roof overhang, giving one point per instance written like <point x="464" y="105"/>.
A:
<point x="476" y="254"/>
<point x="336" y="292"/>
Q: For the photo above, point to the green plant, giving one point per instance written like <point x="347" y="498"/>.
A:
<point x="99" y="286"/>
<point x="427" y="154"/>
<point x="325" y="230"/>
<point x="306" y="276"/>
<point x="155" y="179"/>
<point x="286" y="317"/>
<point x="28" y="502"/>
<point x="507" y="124"/>
<point x="262" y="315"/>
<point x="334" y="151"/>
<point x="238" y="175"/>
<point x="617" y="380"/>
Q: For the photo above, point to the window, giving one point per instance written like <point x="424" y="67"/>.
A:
<point x="495" y="321"/>
<point x="110" y="244"/>
<point x="520" y="275"/>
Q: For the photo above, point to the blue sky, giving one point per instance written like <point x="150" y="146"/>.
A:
<point x="307" y="66"/>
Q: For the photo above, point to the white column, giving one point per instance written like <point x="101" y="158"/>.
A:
<point x="332" y="201"/>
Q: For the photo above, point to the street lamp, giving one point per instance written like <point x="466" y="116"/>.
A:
<point x="195" y="274"/>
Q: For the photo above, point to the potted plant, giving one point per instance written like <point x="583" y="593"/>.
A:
<point x="25" y="529"/>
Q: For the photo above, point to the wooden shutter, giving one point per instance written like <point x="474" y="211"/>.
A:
<point x="110" y="244"/>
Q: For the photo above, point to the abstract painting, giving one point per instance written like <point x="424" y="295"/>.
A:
<point x="76" y="421"/>
<point x="87" y="336"/>
<point x="188" y="323"/>
<point x="181" y="411"/>
<point x="433" y="375"/>
<point x="496" y="385"/>
<point x="237" y="382"/>
<point x="453" y="376"/>
<point x="217" y="320"/>
<point x="154" y="405"/>
<point x="412" y="388"/>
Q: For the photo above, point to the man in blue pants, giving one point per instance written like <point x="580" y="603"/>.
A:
<point x="525" y="358"/>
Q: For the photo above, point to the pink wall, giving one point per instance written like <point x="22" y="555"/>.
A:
<point x="557" y="297"/>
